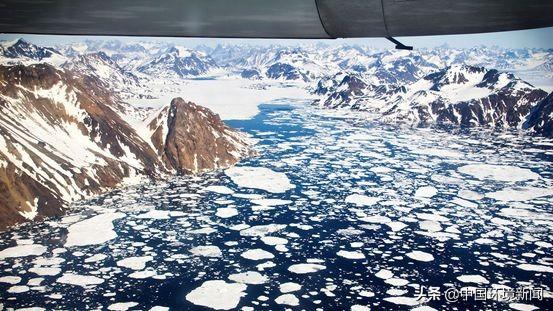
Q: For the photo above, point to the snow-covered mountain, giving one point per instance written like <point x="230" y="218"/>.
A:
<point x="99" y="65"/>
<point x="66" y="136"/>
<point x="468" y="96"/>
<point x="284" y="63"/>
<point x="352" y="91"/>
<point x="21" y="51"/>
<point x="178" y="62"/>
<point x="459" y="94"/>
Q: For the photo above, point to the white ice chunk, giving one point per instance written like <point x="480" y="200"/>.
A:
<point x="257" y="254"/>
<point x="79" y="280"/>
<point x="473" y="278"/>
<point x="498" y="172"/>
<point x="259" y="178"/>
<point x="249" y="277"/>
<point x="135" y="263"/>
<point x="10" y="279"/>
<point x="220" y="189"/>
<point x="406" y="301"/>
<point x="92" y="231"/>
<point x="350" y="254"/>
<point x="217" y="294"/>
<point x="207" y="251"/>
<point x="520" y="194"/>
<point x="426" y="192"/>
<point x="420" y="256"/>
<point x="289" y="287"/>
<point x="522" y="307"/>
<point x="273" y="240"/>
<point x="535" y="268"/>
<point x="362" y="200"/>
<point x="384" y="274"/>
<point x="262" y="230"/>
<point x="226" y="212"/>
<point x="304" y="268"/>
<point x="22" y="251"/>
<point x="288" y="299"/>
<point x="122" y="306"/>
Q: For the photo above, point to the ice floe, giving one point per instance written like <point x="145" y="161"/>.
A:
<point x="262" y="230"/>
<point x="51" y="271"/>
<point x="361" y="200"/>
<point x="273" y="240"/>
<point x="384" y="274"/>
<point x="504" y="173"/>
<point x="420" y="256"/>
<point x="207" y="251"/>
<point x="350" y="254"/>
<point x="288" y="299"/>
<point x="405" y="301"/>
<point x="79" y="280"/>
<point x="520" y="194"/>
<point x="304" y="268"/>
<point x="249" y="277"/>
<point x="426" y="192"/>
<point x="92" y="231"/>
<point x="522" y="306"/>
<point x="257" y="254"/>
<point x="259" y="178"/>
<point x="217" y="294"/>
<point x="473" y="278"/>
<point x="22" y="251"/>
<point x="122" y="306"/>
<point x="220" y="189"/>
<point x="535" y="268"/>
<point x="226" y="212"/>
<point x="289" y="287"/>
<point x="10" y="279"/>
<point x="135" y="263"/>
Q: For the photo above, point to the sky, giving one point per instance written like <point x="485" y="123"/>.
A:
<point x="535" y="38"/>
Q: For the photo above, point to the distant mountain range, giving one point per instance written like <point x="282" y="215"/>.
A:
<point x="480" y="86"/>
<point x="308" y="63"/>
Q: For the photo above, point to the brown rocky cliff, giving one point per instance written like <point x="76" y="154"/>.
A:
<point x="64" y="137"/>
<point x="43" y="108"/>
<point x="191" y="139"/>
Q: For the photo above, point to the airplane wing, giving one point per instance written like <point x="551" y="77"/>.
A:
<point x="272" y="18"/>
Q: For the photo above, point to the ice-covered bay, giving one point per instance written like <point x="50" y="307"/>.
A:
<point x="335" y="214"/>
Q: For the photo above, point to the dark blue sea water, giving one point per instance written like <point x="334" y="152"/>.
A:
<point x="479" y="203"/>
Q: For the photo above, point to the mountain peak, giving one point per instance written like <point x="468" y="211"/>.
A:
<point x="181" y="51"/>
<point x="192" y="139"/>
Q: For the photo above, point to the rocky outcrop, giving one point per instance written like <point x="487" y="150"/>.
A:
<point x="192" y="139"/>
<point x="250" y="74"/>
<point x="285" y="72"/>
<point x="540" y="120"/>
<point x="64" y="136"/>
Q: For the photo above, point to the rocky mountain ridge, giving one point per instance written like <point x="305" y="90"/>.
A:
<point x="459" y="94"/>
<point x="66" y="136"/>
